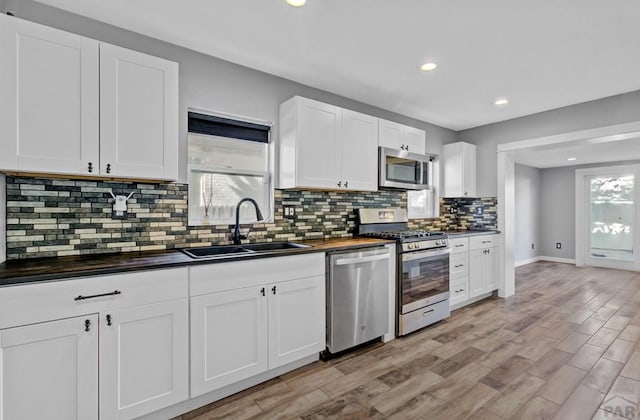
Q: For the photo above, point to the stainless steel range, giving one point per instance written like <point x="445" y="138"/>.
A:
<point x="423" y="267"/>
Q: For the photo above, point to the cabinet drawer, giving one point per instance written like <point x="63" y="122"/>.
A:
<point x="39" y="302"/>
<point x="459" y="265"/>
<point x="253" y="272"/>
<point x="459" y="245"/>
<point x="459" y="290"/>
<point x="484" y="241"/>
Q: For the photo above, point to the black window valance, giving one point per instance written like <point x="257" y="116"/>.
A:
<point x="226" y="127"/>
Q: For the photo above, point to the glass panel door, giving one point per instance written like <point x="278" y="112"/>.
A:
<point x="611" y="216"/>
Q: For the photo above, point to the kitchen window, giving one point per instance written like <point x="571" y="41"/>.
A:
<point x="229" y="160"/>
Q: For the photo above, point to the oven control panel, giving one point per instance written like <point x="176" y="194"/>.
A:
<point x="430" y="244"/>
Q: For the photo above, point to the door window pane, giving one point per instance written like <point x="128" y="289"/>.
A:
<point x="611" y="216"/>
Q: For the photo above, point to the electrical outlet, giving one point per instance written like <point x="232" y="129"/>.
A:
<point x="289" y="211"/>
<point x="479" y="211"/>
<point x="558" y="245"/>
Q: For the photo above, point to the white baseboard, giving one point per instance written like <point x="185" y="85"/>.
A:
<point x="543" y="258"/>
<point x="558" y="260"/>
<point x="527" y="261"/>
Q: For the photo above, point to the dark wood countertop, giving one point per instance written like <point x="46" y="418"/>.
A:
<point x="461" y="233"/>
<point x="46" y="269"/>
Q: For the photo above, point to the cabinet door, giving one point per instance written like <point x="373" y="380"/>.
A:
<point x="138" y="115"/>
<point x="490" y="270"/>
<point x="319" y="158"/>
<point x="391" y="135"/>
<point x="143" y="359"/>
<point x="49" y="99"/>
<point x="359" y="151"/>
<point x="50" y="370"/>
<point x="415" y="140"/>
<point x="228" y="338"/>
<point x="296" y="320"/>
<point x="476" y="273"/>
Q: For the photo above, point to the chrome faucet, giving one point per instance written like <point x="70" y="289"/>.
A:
<point x="237" y="236"/>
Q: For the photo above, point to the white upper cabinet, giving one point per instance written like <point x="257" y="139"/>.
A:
<point x="359" y="151"/>
<point x="310" y="135"/>
<point x="459" y="160"/>
<point x="138" y="114"/>
<point x="402" y="137"/>
<point x="326" y="147"/>
<point x="71" y="105"/>
<point x="49" y="99"/>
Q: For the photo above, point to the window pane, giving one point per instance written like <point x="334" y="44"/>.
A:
<point x="612" y="211"/>
<point x="213" y="197"/>
<point x="223" y="152"/>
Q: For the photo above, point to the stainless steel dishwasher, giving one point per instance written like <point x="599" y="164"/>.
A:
<point x="357" y="297"/>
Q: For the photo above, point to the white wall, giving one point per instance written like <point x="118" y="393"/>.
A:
<point x="599" y="113"/>
<point x="527" y="212"/>
<point x="213" y="84"/>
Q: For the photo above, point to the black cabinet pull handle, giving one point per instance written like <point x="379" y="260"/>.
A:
<point x="262" y="291"/>
<point x="90" y="168"/>
<point x="108" y="168"/>
<point x="108" y="320"/>
<point x="115" y="292"/>
<point x="273" y="289"/>
<point x="87" y="325"/>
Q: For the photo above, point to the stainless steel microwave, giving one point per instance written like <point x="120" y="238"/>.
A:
<point x="403" y="170"/>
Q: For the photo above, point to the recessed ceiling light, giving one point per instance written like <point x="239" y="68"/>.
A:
<point x="296" y="3"/>
<point x="501" y="101"/>
<point x="571" y="158"/>
<point x="428" y="66"/>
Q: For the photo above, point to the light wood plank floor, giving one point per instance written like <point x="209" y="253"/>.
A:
<point x="565" y="346"/>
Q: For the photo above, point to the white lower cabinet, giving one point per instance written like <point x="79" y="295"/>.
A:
<point x="296" y="320"/>
<point x="127" y="358"/>
<point x="50" y="370"/>
<point x="260" y="315"/>
<point x="473" y="268"/>
<point x="483" y="265"/>
<point x="229" y="335"/>
<point x="484" y="271"/>
<point x="144" y="363"/>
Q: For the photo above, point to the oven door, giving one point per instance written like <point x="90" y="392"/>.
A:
<point x="404" y="170"/>
<point x="424" y="279"/>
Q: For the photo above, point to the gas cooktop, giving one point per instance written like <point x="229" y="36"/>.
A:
<point x="404" y="235"/>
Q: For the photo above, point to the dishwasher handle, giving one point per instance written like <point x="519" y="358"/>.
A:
<point x="349" y="261"/>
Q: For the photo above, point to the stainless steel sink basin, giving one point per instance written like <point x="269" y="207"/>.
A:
<point x="221" y="251"/>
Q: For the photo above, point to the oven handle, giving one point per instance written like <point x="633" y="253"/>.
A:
<point x="349" y="261"/>
<point x="410" y="256"/>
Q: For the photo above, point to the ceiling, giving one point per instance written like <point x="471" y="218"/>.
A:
<point x="585" y="153"/>
<point x="540" y="54"/>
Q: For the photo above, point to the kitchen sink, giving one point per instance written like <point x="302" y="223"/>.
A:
<point x="220" y="251"/>
<point x="273" y="246"/>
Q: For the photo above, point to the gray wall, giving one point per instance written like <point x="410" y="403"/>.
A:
<point x="603" y="112"/>
<point x="527" y="209"/>
<point x="558" y="212"/>
<point x="213" y="84"/>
